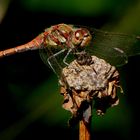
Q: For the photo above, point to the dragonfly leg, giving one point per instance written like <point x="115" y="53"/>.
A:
<point x="64" y="60"/>
<point x="52" y="57"/>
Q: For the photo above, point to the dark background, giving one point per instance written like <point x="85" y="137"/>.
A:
<point x="30" y="103"/>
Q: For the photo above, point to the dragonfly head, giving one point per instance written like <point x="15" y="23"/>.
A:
<point x="81" y="37"/>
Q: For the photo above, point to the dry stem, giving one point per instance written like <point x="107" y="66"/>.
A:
<point x="84" y="131"/>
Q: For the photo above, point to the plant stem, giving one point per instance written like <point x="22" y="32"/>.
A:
<point x="84" y="131"/>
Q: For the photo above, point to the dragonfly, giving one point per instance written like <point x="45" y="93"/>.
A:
<point x="55" y="40"/>
<point x="58" y="43"/>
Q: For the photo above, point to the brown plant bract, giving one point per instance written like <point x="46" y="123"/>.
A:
<point x="81" y="84"/>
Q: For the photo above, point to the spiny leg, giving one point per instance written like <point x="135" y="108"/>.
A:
<point x="54" y="55"/>
<point x="64" y="60"/>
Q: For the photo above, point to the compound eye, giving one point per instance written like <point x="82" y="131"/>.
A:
<point x="78" y="35"/>
<point x="81" y="37"/>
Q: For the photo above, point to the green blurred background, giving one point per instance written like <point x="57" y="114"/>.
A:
<point x="30" y="103"/>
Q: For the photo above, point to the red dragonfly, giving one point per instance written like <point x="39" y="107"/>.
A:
<point x="58" y="43"/>
<point x="60" y="37"/>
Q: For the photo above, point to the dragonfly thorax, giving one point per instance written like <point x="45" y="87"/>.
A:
<point x="67" y="36"/>
<point x="58" y="35"/>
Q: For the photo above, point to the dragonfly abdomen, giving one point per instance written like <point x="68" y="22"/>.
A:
<point x="32" y="45"/>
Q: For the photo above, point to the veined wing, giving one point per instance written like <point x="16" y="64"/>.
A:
<point x="113" y="47"/>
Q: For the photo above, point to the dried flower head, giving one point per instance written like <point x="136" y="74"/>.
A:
<point x="84" y="81"/>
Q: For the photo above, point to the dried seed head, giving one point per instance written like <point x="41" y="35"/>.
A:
<point x="80" y="84"/>
<point x="88" y="77"/>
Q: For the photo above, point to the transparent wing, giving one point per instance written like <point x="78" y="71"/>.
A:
<point x="115" y="48"/>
